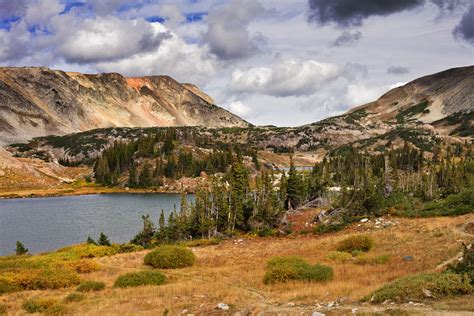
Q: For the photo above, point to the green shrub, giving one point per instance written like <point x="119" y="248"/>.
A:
<point x="283" y="269"/>
<point x="170" y="257"/>
<point x="140" y="278"/>
<point x="74" y="297"/>
<point x="128" y="248"/>
<point x="329" y="228"/>
<point x="339" y="256"/>
<point x="414" y="287"/>
<point x="91" y="286"/>
<point x="43" y="305"/>
<point x="201" y="242"/>
<point x="466" y="264"/>
<point x="356" y="242"/>
<point x="7" y="286"/>
<point x="371" y="259"/>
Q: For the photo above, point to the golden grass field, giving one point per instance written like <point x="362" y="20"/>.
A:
<point x="232" y="273"/>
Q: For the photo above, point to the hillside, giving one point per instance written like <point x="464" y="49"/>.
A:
<point x="232" y="272"/>
<point x="40" y="101"/>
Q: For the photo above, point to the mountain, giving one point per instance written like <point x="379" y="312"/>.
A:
<point x="37" y="101"/>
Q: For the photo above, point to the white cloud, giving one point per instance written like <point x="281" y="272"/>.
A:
<point x="184" y="62"/>
<point x="284" y="78"/>
<point x="110" y="38"/>
<point x="239" y="108"/>
<point x="228" y="35"/>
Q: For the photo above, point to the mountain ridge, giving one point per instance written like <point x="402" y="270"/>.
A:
<point x="38" y="101"/>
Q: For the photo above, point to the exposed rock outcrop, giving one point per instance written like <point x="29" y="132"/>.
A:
<point x="37" y="101"/>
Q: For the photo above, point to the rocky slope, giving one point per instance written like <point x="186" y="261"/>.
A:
<point x="40" y="101"/>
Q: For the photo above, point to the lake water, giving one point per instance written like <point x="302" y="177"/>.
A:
<point x="44" y="224"/>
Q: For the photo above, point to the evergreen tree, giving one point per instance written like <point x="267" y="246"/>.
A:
<point x="145" y="236"/>
<point x="91" y="241"/>
<point x="20" y="249"/>
<point x="103" y="240"/>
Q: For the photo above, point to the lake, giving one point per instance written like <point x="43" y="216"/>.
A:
<point x="44" y="224"/>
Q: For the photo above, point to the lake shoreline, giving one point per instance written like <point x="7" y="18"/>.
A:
<point x="68" y="191"/>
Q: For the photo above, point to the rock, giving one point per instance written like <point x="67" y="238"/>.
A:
<point x="364" y="220"/>
<point x="223" y="306"/>
<point x="408" y="258"/>
<point x="290" y="304"/>
<point x="427" y="293"/>
<point x="184" y="311"/>
<point x="316" y="313"/>
<point x="354" y="310"/>
<point x="2" y="173"/>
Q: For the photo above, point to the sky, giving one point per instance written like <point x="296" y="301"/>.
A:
<point x="272" y="62"/>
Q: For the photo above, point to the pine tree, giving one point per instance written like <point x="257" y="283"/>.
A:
<point x="103" y="240"/>
<point x="145" y="236"/>
<point x="20" y="249"/>
<point x="91" y="241"/>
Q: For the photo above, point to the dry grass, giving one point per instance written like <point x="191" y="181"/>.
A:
<point x="232" y="273"/>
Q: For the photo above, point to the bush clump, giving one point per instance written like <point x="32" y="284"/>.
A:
<point x="3" y="309"/>
<point x="91" y="286"/>
<point x="74" y="297"/>
<point x="37" y="279"/>
<point x="201" y="242"/>
<point x="82" y="266"/>
<point x="170" y="257"/>
<point x="43" y="305"/>
<point x="371" y="259"/>
<point x="140" y="278"/>
<point x="339" y="256"/>
<point x="357" y="242"/>
<point x="422" y="286"/>
<point x="128" y="248"/>
<point x="284" y="269"/>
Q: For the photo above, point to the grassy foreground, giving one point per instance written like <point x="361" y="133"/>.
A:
<point x="232" y="273"/>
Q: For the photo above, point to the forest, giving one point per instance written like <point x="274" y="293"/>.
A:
<point x="249" y="198"/>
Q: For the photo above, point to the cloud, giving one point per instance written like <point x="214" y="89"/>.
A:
<point x="109" y="39"/>
<point x="184" y="62"/>
<point x="228" y="35"/>
<point x="397" y="70"/>
<point x="12" y="8"/>
<point x="239" y="108"/>
<point x="14" y="44"/>
<point x="284" y="78"/>
<point x="346" y="13"/>
<point x="465" y="28"/>
<point x="347" y="38"/>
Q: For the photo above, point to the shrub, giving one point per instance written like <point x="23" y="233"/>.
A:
<point x="91" y="286"/>
<point x="329" y="228"/>
<point x="283" y="269"/>
<point x="31" y="279"/>
<point x="74" y="297"/>
<point x="356" y="242"/>
<point x="370" y="259"/>
<point x="466" y="264"/>
<point x="3" y="309"/>
<point x="201" y="242"/>
<point x="43" y="305"/>
<point x="82" y="266"/>
<point x="170" y="257"/>
<point x="7" y="286"/>
<point x="82" y="251"/>
<point x="140" y="278"/>
<point x="414" y="287"/>
<point x="339" y="256"/>
<point x="128" y="248"/>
